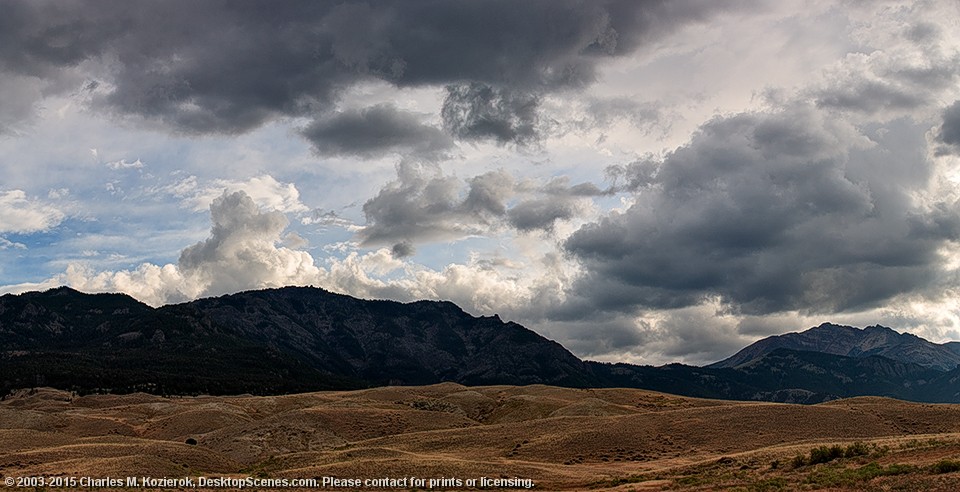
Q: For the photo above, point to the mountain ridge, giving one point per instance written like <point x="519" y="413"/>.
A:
<point x="853" y="342"/>
<point x="298" y="339"/>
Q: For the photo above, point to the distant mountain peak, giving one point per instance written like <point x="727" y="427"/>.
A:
<point x="849" y="341"/>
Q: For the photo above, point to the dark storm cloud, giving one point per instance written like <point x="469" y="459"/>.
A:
<point x="377" y="131"/>
<point x="480" y="112"/>
<point x="229" y="66"/>
<point x="37" y="38"/>
<point x="402" y="249"/>
<point x="39" y="41"/>
<point x="768" y="212"/>
<point x="540" y="214"/>
<point x="949" y="132"/>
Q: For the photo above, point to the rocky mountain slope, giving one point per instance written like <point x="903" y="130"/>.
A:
<point x="297" y="339"/>
<point x="266" y="342"/>
<point x="389" y="342"/>
<point x="854" y="342"/>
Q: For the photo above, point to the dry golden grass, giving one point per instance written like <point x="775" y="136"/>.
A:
<point x="563" y="439"/>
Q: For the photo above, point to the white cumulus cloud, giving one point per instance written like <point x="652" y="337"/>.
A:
<point x="22" y="214"/>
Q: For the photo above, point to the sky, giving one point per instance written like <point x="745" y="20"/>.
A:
<point x="647" y="182"/>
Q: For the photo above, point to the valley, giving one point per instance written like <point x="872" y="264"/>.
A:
<point x="560" y="438"/>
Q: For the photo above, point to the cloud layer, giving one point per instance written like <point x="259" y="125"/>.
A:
<point x="377" y="131"/>
<point x="771" y="212"/>
<point x="231" y="67"/>
<point x="424" y="204"/>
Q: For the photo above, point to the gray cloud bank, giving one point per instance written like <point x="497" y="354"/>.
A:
<point x="228" y="67"/>
<point x="770" y="212"/>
